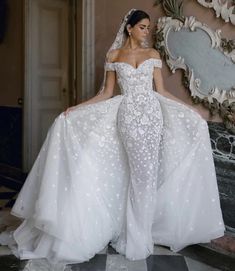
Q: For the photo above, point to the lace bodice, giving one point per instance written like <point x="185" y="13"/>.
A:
<point x="131" y="79"/>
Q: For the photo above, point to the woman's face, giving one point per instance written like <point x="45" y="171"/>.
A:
<point x="140" y="30"/>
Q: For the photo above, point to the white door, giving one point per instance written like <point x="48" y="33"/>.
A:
<point x="46" y="90"/>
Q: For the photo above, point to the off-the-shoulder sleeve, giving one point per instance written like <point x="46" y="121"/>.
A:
<point x="109" y="66"/>
<point x="157" y="63"/>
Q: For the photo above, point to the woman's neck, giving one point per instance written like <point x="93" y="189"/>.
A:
<point x="132" y="44"/>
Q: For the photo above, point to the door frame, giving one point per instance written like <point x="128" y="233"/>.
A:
<point x="27" y="104"/>
<point x="81" y="67"/>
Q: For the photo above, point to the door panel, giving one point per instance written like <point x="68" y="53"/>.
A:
<point x="48" y="64"/>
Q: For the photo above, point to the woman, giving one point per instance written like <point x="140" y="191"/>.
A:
<point x="133" y="170"/>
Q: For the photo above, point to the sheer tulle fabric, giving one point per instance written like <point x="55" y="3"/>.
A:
<point x="134" y="170"/>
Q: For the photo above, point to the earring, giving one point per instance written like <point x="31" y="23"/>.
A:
<point x="129" y="33"/>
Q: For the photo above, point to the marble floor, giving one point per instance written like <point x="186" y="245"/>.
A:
<point x="192" y="258"/>
<point x="108" y="260"/>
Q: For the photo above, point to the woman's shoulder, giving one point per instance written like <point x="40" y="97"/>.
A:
<point x="112" y="55"/>
<point x="153" y="53"/>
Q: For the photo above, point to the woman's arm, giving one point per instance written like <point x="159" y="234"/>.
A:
<point x="104" y="95"/>
<point x="158" y="80"/>
<point x="159" y="85"/>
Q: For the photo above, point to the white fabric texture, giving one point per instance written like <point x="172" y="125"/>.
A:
<point x="133" y="170"/>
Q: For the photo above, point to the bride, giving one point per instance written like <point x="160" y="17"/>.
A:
<point x="132" y="170"/>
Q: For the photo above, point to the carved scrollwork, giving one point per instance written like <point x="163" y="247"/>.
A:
<point x="208" y="62"/>
<point x="223" y="8"/>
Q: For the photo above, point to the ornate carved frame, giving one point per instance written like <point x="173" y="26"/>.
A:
<point x="218" y="101"/>
<point x="223" y="9"/>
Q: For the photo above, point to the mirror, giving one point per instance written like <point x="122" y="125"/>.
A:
<point x="209" y="68"/>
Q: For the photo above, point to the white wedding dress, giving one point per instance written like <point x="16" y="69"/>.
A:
<point x="134" y="170"/>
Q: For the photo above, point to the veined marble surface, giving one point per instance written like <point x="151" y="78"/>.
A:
<point x="223" y="145"/>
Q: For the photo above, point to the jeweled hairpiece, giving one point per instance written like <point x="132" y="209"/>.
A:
<point x="129" y="15"/>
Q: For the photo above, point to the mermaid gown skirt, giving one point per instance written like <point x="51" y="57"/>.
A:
<point x="134" y="170"/>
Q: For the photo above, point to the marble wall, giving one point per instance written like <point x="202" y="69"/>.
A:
<point x="223" y="145"/>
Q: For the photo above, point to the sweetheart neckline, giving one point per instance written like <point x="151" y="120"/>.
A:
<point x="122" y="62"/>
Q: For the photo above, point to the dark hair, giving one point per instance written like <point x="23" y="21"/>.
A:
<point x="134" y="18"/>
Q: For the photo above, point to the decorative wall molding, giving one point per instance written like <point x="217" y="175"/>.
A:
<point x="224" y="9"/>
<point x="216" y="98"/>
<point x="88" y="49"/>
<point x="27" y="116"/>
